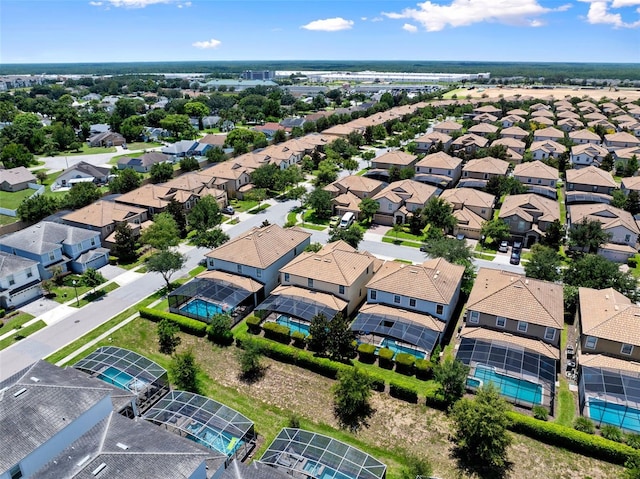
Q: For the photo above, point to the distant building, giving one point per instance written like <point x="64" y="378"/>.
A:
<point x="258" y="75"/>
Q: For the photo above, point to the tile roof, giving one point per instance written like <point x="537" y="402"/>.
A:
<point x="535" y="345"/>
<point x="622" y="137"/>
<point x="436" y="280"/>
<point x="356" y="183"/>
<point x="468" y="197"/>
<point x="103" y="213"/>
<point x="631" y="183"/>
<point x="591" y="149"/>
<point x="243" y="282"/>
<point x="214" y="140"/>
<point x="424" y="320"/>
<point x="513" y="296"/>
<point x="609" y="216"/>
<point x="523" y="205"/>
<point x="46" y="236"/>
<point x="396" y="157"/>
<point x="325" y="299"/>
<point x="601" y="361"/>
<point x="584" y="134"/>
<point x="468" y="219"/>
<point x="514" y="131"/>
<point x="434" y="137"/>
<point x="471" y="139"/>
<point x="260" y="247"/>
<point x="487" y="164"/>
<point x="590" y="175"/>
<point x="536" y="169"/>
<point x="548" y="146"/>
<point x="509" y="142"/>
<point x="414" y="191"/>
<point x="447" y="126"/>
<point x="610" y="315"/>
<point x="145" y="160"/>
<point x="347" y="201"/>
<point x="439" y="160"/>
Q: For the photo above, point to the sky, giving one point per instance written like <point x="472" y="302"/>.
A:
<point x="97" y="31"/>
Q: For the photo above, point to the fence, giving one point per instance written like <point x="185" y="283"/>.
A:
<point x="39" y="189"/>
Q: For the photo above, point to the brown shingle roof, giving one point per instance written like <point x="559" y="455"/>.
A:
<point x="14" y="176"/>
<point x="523" y="205"/>
<point x="536" y="169"/>
<point x="549" y="132"/>
<point x="396" y="157"/>
<point x="487" y="165"/>
<point x="468" y="197"/>
<point x="415" y="191"/>
<point x="326" y="299"/>
<point x="243" y="282"/>
<point x="513" y="296"/>
<point x="439" y="160"/>
<point x="102" y="213"/>
<point x="601" y="361"/>
<point x="591" y="176"/>
<point x="447" y="126"/>
<point x="608" y="314"/>
<point x="607" y="215"/>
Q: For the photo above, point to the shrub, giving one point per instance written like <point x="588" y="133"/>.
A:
<point x="378" y="385"/>
<point x="186" y="325"/>
<point x="113" y="260"/>
<point x="612" y="433"/>
<point x="584" y="424"/>
<point x="403" y="392"/>
<point x="253" y="324"/>
<point x="404" y="363"/>
<point x="219" y="329"/>
<point x="385" y="358"/>
<point x="367" y="353"/>
<point x="3" y="313"/>
<point x="298" y="339"/>
<point x="633" y="440"/>
<point x="540" y="412"/>
<point x="424" y="369"/>
<point x="632" y="262"/>
<point x="571" y="439"/>
<point x="294" y="421"/>
<point x="277" y="332"/>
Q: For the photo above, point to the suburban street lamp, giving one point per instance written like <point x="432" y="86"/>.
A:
<point x="76" y="289"/>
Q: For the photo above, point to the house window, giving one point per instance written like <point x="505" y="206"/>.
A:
<point x="374" y="294"/>
<point x="396" y="299"/>
<point x="501" y="322"/>
<point x="15" y="472"/>
<point x="550" y="334"/>
<point x="258" y="273"/>
<point x="341" y="289"/>
<point x="474" y="317"/>
<point x="523" y="326"/>
<point x="286" y="277"/>
<point x="539" y="181"/>
<point x="449" y="172"/>
<point x="486" y="176"/>
<point x="627" y="238"/>
<point x="466" y="173"/>
<point x="483" y="211"/>
<point x="211" y="262"/>
<point x="528" y="180"/>
<point x="412" y="302"/>
<point x="626" y="349"/>
<point x="93" y="241"/>
<point x="390" y="207"/>
<point x="439" y="309"/>
<point x="310" y="282"/>
<point x="239" y="268"/>
<point x="29" y="274"/>
<point x="11" y="280"/>
<point x="52" y="256"/>
<point x="591" y="342"/>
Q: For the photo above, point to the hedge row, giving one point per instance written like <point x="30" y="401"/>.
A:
<point x="568" y="438"/>
<point x="186" y="325"/>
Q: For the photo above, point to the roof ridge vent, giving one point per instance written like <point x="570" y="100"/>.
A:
<point x="35" y="379"/>
<point x="84" y="460"/>
<point x="19" y="392"/>
<point x="122" y="446"/>
<point x="99" y="469"/>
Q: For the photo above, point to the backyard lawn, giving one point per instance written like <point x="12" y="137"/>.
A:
<point x="12" y="200"/>
<point x="88" y="150"/>
<point x="7" y="220"/>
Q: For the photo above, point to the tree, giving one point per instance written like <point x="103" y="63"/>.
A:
<point x="587" y="236"/>
<point x="92" y="278"/>
<point x="205" y="214"/>
<point x="279" y="136"/>
<point x="320" y="201"/>
<point x="176" y="211"/>
<point x="318" y="333"/>
<point x="211" y="238"/>
<point x="340" y="342"/>
<point x="504" y="185"/>
<point x="351" y="235"/>
<point x="456" y="252"/>
<point x="249" y="359"/>
<point x="495" y="230"/>
<point x="544" y="264"/>
<point x="189" y="163"/>
<point x="125" y="247"/>
<point x="554" y="235"/>
<point x="350" y="165"/>
<point x="178" y="125"/>
<point x="184" y="371"/>
<point x="215" y="154"/>
<point x="481" y="424"/>
<point x="265" y="176"/>
<point x="163" y="233"/>
<point x="42" y="176"/>
<point x="368" y="208"/>
<point x="219" y="329"/>
<point x="326" y="173"/>
<point x="14" y="155"/>
<point x="132" y="127"/>
<point x="196" y="109"/>
<point x="166" y="262"/>
<point x="439" y="214"/>
<point x="594" y="271"/>
<point x="633" y="202"/>
<point x="161" y="172"/>
<point x="451" y="376"/>
<point x="296" y="193"/>
<point x="125" y="180"/>
<point x="313" y="247"/>
<point x="82" y="194"/>
<point x="168" y="339"/>
<point x="631" y="168"/>
<point x="351" y="399"/>
<point x="415" y="466"/>
<point x="37" y="207"/>
<point x="619" y="199"/>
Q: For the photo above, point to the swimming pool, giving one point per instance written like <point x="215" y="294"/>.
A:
<point x="615" y="414"/>
<point x="320" y="471"/>
<point x="293" y="325"/>
<point x="399" y="348"/>
<point x="210" y="437"/>
<point x="512" y="388"/>
<point x="201" y="308"/>
<point x="113" y="375"/>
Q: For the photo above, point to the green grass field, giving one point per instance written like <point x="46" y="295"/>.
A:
<point x="12" y="200"/>
<point x="22" y="333"/>
<point x="15" y="321"/>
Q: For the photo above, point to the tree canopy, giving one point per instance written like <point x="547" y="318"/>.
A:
<point x="594" y="271"/>
<point x="544" y="264"/>
<point x="166" y="262"/>
<point x="439" y="214"/>
<point x="352" y="399"/>
<point x="163" y="233"/>
<point x="205" y="214"/>
<point x="352" y="235"/>
<point x="588" y="236"/>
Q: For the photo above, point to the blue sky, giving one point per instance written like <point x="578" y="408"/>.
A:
<point x="51" y="31"/>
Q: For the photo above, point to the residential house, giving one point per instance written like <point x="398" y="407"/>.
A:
<point x="103" y="216"/>
<point x="570" y="124"/>
<point x="537" y="114"/>
<point x="80" y="173"/>
<point x="630" y="184"/>
<point x="269" y="129"/>
<point x="589" y="184"/>
<point x="490" y="109"/>
<point x="16" y="179"/>
<point x="410" y="306"/>
<point x="349" y="191"/>
<point x="397" y="158"/>
<point x="431" y="141"/>
<point x="607" y="125"/>
<point x="528" y="216"/>
<point x="512" y="334"/>
<point x="476" y="173"/>
<point x="485" y="118"/>
<point x="542" y="121"/>
<point x="514" y="132"/>
<point x="515" y="148"/>
<point x="549" y="133"/>
<point x="471" y="208"/>
<point x="538" y="177"/>
<point x="181" y="149"/>
<point x="583" y="136"/>
<point x="155" y="198"/>
<point x="19" y="280"/>
<point x="438" y="169"/>
<point x="447" y="127"/>
<point x="518" y="112"/>
<point x="98" y="128"/>
<point x="567" y="114"/>
<point x="616" y="141"/>
<point x="625" y="154"/>
<point x="214" y="140"/>
<point x="106" y="139"/>
<point x="399" y="199"/>
<point x="511" y="120"/>
<point x="468" y="143"/>
<point x="293" y="122"/>
<point x="55" y="245"/>
<point x="337" y="270"/>
<point x="544" y="149"/>
<point x="229" y="176"/>
<point x="595" y="116"/>
<point x="587" y="154"/>
<point x="483" y="129"/>
<point x="154" y="134"/>
<point x="618" y="223"/>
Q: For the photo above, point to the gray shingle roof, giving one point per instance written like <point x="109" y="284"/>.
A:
<point x="46" y="236"/>
<point x="10" y="264"/>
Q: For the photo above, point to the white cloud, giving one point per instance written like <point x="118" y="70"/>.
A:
<point x="536" y="23"/>
<point x="364" y="19"/>
<point x="599" y="13"/>
<point x="207" y="44"/>
<point x="435" y="17"/>
<point x="410" y="28"/>
<point x="329" y="25"/>
<point x="377" y="19"/>
<point x="95" y="4"/>
<point x="137" y="3"/>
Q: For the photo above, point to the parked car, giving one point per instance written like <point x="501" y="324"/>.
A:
<point x="515" y="257"/>
<point x="504" y="246"/>
<point x="517" y="246"/>
<point x="334" y="221"/>
<point x="460" y="236"/>
<point x="228" y="210"/>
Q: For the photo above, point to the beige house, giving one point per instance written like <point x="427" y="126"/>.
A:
<point x="583" y="136"/>
<point x="528" y="216"/>
<point x="630" y="184"/>
<point x="468" y="143"/>
<point x="587" y="154"/>
<point x="447" y="127"/>
<point x="438" y="169"/>
<point x="426" y="143"/>
<point x="483" y="129"/>
<point x="229" y="176"/>
<point x="360" y="186"/>
<point x="549" y="133"/>
<point x="615" y="141"/>
<point x="16" y="179"/>
<point x="599" y="183"/>
<point x="570" y="124"/>
<point x="155" y="198"/>
<point x="104" y="216"/>
<point x="476" y="173"/>
<point x="514" y="132"/>
<point x="471" y="208"/>
<point x="538" y="177"/>
<point x="544" y="149"/>
<point x="337" y="269"/>
<point x="399" y="199"/>
<point x="510" y="120"/>
<point x="397" y="158"/>
<point x="485" y="118"/>
<point x="490" y="109"/>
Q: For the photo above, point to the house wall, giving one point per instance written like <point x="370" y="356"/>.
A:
<point x="614" y="145"/>
<point x="517" y="225"/>
<point x="75" y="250"/>
<point x="589" y="188"/>
<point x="530" y="180"/>
<point x="454" y="173"/>
<point x="12" y="188"/>
<point x="609" y="348"/>
<point x="622" y="235"/>
<point x="16" y="280"/>
<point x="477" y="175"/>
<point x="534" y="331"/>
<point x="387" y="207"/>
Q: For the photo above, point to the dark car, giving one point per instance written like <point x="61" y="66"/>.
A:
<point x="517" y="246"/>
<point x="515" y="257"/>
<point x="228" y="210"/>
<point x="504" y="246"/>
<point x="460" y="236"/>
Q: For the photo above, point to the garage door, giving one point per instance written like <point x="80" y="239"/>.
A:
<point x="26" y="295"/>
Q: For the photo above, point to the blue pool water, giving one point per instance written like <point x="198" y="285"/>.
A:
<point x="616" y="414"/>
<point x="220" y="441"/>
<point x="399" y="348"/>
<point x="512" y="388"/>
<point x="201" y="308"/>
<point x="319" y="471"/>
<point x="293" y="325"/>
<point x="121" y="379"/>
